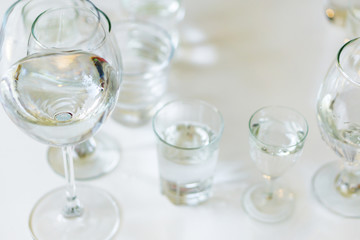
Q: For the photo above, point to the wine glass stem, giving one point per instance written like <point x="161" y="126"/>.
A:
<point x="72" y="206"/>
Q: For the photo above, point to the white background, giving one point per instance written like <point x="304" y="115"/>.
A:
<point x="239" y="56"/>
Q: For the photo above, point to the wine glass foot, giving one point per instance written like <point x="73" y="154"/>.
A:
<point x="323" y="184"/>
<point x="99" y="221"/>
<point x="103" y="160"/>
<point x="269" y="208"/>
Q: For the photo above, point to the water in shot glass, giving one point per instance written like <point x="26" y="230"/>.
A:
<point x="147" y="51"/>
<point x="188" y="134"/>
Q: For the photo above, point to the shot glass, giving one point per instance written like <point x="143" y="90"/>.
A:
<point x="147" y="51"/>
<point x="188" y="134"/>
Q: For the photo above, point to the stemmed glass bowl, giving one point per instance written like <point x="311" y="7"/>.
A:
<point x="60" y="88"/>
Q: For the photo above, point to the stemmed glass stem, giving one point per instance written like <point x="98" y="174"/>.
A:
<point x="347" y="181"/>
<point x="269" y="186"/>
<point x="73" y="207"/>
<point x="86" y="148"/>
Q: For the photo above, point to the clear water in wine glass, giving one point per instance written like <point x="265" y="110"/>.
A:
<point x="59" y="98"/>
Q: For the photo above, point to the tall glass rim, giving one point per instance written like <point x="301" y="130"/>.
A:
<point x="338" y="61"/>
<point x="189" y="101"/>
<point x="156" y="28"/>
<point x="99" y="14"/>
<point x="283" y="108"/>
<point x="132" y="10"/>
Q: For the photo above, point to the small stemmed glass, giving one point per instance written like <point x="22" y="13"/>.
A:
<point x="60" y="88"/>
<point x="277" y="137"/>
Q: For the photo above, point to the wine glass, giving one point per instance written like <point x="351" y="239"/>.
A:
<point x="277" y="137"/>
<point x="337" y="184"/>
<point x="60" y="88"/>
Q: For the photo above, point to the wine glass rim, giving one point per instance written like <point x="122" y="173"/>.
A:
<point x="156" y="28"/>
<point x="192" y="101"/>
<point x="98" y="15"/>
<point x="302" y="139"/>
<point x="338" y="61"/>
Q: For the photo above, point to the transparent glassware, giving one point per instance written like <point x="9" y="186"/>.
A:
<point x="165" y="13"/>
<point x="277" y="136"/>
<point x="188" y="135"/>
<point x="147" y="52"/>
<point x="337" y="184"/>
<point x="59" y="88"/>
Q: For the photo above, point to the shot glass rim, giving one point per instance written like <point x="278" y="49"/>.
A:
<point x="141" y="22"/>
<point x="279" y="107"/>
<point x="196" y="101"/>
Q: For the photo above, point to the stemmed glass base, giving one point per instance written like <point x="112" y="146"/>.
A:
<point x="268" y="207"/>
<point x="92" y="163"/>
<point x="99" y="221"/>
<point x="324" y="187"/>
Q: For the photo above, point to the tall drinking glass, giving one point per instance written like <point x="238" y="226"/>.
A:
<point x="277" y="137"/>
<point x="147" y="52"/>
<point x="60" y="88"/>
<point x="165" y="13"/>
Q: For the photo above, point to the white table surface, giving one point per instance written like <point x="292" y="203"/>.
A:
<point x="239" y="56"/>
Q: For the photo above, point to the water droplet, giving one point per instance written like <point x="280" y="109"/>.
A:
<point x="63" y="116"/>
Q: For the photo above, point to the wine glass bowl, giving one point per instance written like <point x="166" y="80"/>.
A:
<point x="337" y="184"/>
<point x="72" y="90"/>
<point x="70" y="109"/>
<point x="277" y="137"/>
